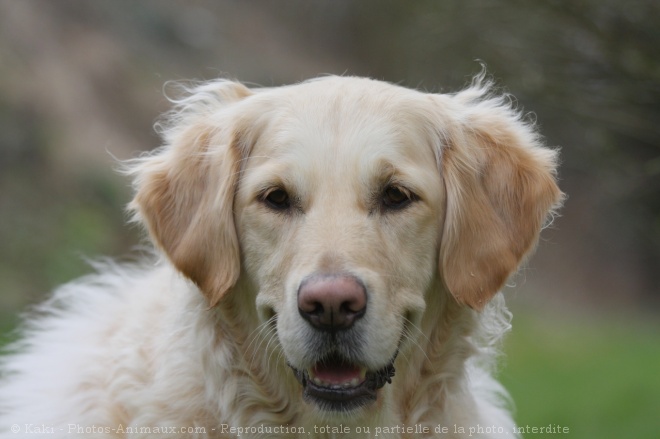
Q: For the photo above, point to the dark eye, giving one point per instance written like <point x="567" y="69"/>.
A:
<point x="395" y="197"/>
<point x="278" y="199"/>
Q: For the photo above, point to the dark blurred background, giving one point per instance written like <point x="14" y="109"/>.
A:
<point x="81" y="85"/>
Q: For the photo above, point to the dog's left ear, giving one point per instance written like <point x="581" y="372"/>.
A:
<point x="500" y="188"/>
<point x="185" y="189"/>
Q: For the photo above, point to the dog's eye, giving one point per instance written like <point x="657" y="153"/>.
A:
<point x="278" y="199"/>
<point x="395" y="197"/>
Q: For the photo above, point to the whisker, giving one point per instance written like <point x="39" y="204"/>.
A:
<point x="255" y="355"/>
<point x="267" y="336"/>
<point x="262" y="333"/>
<point x="270" y="352"/>
<point x="409" y="336"/>
<point x="254" y="335"/>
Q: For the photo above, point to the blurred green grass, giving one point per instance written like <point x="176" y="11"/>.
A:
<point x="600" y="379"/>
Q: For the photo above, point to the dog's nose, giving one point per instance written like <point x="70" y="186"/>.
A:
<point x="332" y="303"/>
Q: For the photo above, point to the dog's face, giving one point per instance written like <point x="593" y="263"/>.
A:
<point x="342" y="201"/>
<point x="339" y="213"/>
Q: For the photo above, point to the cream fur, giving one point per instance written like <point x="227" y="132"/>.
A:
<point x="200" y="335"/>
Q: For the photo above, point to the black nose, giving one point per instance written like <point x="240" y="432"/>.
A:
<point x="331" y="302"/>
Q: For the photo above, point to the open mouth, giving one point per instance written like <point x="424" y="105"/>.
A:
<point x="336" y="384"/>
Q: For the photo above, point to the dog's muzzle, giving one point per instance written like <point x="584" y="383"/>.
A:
<point x="332" y="304"/>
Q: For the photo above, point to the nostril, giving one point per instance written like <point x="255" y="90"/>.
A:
<point x="353" y="305"/>
<point x="308" y="302"/>
<point x="315" y="308"/>
<point x="332" y="302"/>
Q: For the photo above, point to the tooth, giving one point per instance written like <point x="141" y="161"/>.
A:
<point x="317" y="381"/>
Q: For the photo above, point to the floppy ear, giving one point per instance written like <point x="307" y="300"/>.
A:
<point x="500" y="187"/>
<point x="185" y="189"/>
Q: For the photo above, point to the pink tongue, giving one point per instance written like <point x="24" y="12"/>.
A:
<point x="336" y="374"/>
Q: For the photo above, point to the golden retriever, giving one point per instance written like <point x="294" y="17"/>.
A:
<point x="332" y="253"/>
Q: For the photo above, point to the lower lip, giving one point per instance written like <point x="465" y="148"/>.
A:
<point x="339" y="400"/>
<point x="347" y="399"/>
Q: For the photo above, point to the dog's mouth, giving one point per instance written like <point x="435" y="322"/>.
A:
<point x="336" y="384"/>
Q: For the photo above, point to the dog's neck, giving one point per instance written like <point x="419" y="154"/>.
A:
<point x="434" y="360"/>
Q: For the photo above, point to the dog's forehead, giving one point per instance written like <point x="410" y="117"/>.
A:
<point x="348" y="125"/>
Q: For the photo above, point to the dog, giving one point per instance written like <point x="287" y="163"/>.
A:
<point x="328" y="263"/>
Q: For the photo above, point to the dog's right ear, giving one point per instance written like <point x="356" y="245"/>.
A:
<point x="184" y="191"/>
<point x="500" y="184"/>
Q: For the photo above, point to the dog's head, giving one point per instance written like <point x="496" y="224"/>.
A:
<point x="343" y="201"/>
